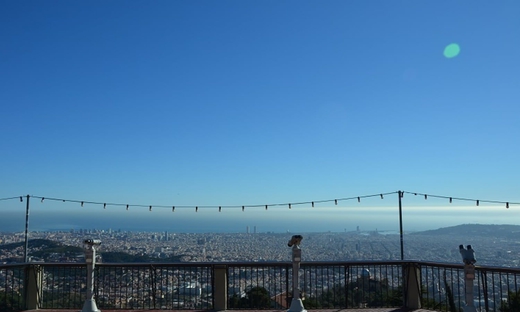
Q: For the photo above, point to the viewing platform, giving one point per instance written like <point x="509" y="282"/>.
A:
<point x="381" y="286"/>
<point x="314" y="310"/>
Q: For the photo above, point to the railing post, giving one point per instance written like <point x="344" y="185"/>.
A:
<point x="33" y="287"/>
<point x="26" y="248"/>
<point x="220" y="287"/>
<point x="413" y="286"/>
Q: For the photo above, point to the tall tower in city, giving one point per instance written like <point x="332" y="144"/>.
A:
<point x="166" y="235"/>
<point x="254" y="229"/>
<point x="247" y="229"/>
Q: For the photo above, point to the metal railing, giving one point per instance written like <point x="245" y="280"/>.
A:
<point x="12" y="278"/>
<point x="323" y="284"/>
<point x="257" y="285"/>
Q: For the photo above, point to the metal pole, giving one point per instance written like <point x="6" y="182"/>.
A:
<point x="403" y="273"/>
<point x="25" y="251"/>
<point x="400" y="193"/>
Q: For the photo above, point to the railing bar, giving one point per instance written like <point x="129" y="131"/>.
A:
<point x="439" y="286"/>
<point x="493" y="281"/>
<point x="427" y="284"/>
<point x="3" y="282"/>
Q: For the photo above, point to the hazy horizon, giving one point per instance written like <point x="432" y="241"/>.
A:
<point x="278" y="220"/>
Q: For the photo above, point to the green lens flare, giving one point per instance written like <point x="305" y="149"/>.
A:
<point x="451" y="50"/>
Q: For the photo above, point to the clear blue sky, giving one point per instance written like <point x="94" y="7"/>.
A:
<point x="247" y="102"/>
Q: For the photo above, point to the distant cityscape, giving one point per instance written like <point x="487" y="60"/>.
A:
<point x="495" y="245"/>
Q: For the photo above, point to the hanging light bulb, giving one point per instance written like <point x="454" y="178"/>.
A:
<point x="265" y="207"/>
<point x="63" y="200"/>
<point x="336" y="202"/>
<point x="312" y="204"/>
<point x="43" y="198"/>
<point x="243" y="208"/>
<point x="173" y="208"/>
<point x="196" y="208"/>
<point x="451" y="200"/>
<point x="219" y="208"/>
<point x="381" y="196"/>
<point x="358" y="200"/>
<point x="127" y="207"/>
<point x="289" y="206"/>
<point x="150" y="209"/>
<point x="507" y="205"/>
<point x="21" y="199"/>
<point x="478" y="202"/>
<point x="425" y="196"/>
<point x="81" y="204"/>
<point x="104" y="206"/>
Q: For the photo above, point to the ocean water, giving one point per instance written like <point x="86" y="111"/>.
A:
<point x="279" y="220"/>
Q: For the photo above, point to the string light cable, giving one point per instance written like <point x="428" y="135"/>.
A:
<point x="10" y="198"/>
<point x="452" y="198"/>
<point x="288" y="205"/>
<point x="196" y="207"/>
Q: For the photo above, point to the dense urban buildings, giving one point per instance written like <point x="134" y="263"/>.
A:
<point x="437" y="246"/>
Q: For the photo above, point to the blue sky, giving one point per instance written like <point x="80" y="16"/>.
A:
<point x="251" y="102"/>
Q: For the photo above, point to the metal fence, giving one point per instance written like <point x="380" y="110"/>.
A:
<point x="443" y="288"/>
<point x="323" y="285"/>
<point x="154" y="286"/>
<point x="256" y="285"/>
<point x="12" y="287"/>
<point x="63" y="286"/>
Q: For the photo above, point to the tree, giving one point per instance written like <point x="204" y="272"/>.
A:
<point x="512" y="304"/>
<point x="11" y="302"/>
<point x="256" y="297"/>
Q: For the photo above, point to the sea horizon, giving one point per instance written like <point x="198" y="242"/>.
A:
<point x="382" y="220"/>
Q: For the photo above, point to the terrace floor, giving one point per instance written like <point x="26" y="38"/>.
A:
<point x="312" y="310"/>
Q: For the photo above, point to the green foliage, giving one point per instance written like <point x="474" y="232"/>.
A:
<point x="449" y="295"/>
<point x="123" y="257"/>
<point x="445" y="305"/>
<point x="33" y="243"/>
<point x="257" y="298"/>
<point x="65" y="250"/>
<point x="394" y="297"/>
<point x="512" y="304"/>
<point x="10" y="302"/>
<point x="363" y="292"/>
<point x="334" y="297"/>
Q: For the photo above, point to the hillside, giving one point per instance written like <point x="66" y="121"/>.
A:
<point x="51" y="251"/>
<point x="33" y="244"/>
<point x="476" y="230"/>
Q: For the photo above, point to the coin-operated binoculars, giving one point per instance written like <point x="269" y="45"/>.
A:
<point x="296" y="303"/>
<point x="90" y="259"/>
<point x="468" y="257"/>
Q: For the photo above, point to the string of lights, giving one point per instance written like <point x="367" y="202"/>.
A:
<point x="452" y="198"/>
<point x="289" y="205"/>
<point x="9" y="198"/>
